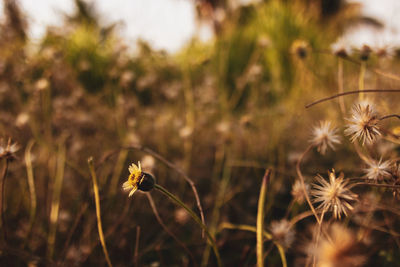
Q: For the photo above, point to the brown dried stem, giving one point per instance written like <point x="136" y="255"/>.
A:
<point x="303" y="185"/>
<point x="352" y="92"/>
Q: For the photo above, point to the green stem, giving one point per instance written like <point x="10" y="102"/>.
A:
<point x="194" y="216"/>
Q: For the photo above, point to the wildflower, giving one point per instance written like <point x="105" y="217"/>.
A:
<point x="377" y="169"/>
<point x="282" y="232"/>
<point x="363" y="124"/>
<point x="9" y="150"/>
<point x="297" y="191"/>
<point x="324" y="135"/>
<point x="300" y="48"/>
<point x="138" y="180"/>
<point x="333" y="195"/>
<point x="340" y="48"/>
<point x="338" y="247"/>
<point x="365" y="52"/>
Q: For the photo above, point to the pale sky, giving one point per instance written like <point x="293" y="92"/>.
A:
<point x="169" y="24"/>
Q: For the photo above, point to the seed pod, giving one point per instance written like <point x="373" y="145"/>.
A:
<point x="146" y="182"/>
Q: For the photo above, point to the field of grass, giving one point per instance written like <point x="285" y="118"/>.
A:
<point x="248" y="169"/>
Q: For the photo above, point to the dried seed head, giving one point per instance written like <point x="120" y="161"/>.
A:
<point x="334" y="195"/>
<point x="324" y="135"/>
<point x="138" y="180"/>
<point x="377" y="170"/>
<point x="363" y="124"/>
<point x="8" y="151"/>
<point x="282" y="232"/>
<point x="339" y="246"/>
<point x="300" y="48"/>
<point x="297" y="191"/>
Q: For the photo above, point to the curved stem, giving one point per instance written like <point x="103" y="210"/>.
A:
<point x="390" y="116"/>
<point x="340" y="84"/>
<point x="352" y="92"/>
<point x="377" y="185"/>
<point x="303" y="185"/>
<point x="282" y="254"/>
<point x="172" y="166"/>
<point x="194" y="216"/>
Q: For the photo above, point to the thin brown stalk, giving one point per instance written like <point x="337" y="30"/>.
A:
<point x="81" y="212"/>
<point x="55" y="201"/>
<point x="167" y="230"/>
<point x="300" y="217"/>
<point x="363" y="68"/>
<point x="390" y="116"/>
<point x="2" y="200"/>
<point x="376" y="185"/>
<point x="340" y="84"/>
<point x="136" y="253"/>
<point x="303" y="185"/>
<point x="178" y="170"/>
<point x="352" y="92"/>
<point x="31" y="184"/>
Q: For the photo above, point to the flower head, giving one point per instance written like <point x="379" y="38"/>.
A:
<point x="333" y="195"/>
<point x="9" y="150"/>
<point x="282" y="232"/>
<point x="138" y="180"/>
<point x="340" y="48"/>
<point x="339" y="246"/>
<point x="377" y="169"/>
<point x="298" y="192"/>
<point x="325" y="135"/>
<point x="363" y="124"/>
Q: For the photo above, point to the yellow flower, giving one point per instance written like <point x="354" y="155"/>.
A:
<point x="138" y="180"/>
<point x="134" y="178"/>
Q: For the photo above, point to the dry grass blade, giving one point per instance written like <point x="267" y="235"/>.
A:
<point x="55" y="202"/>
<point x="31" y="184"/>
<point x="98" y="212"/>
<point x="260" y="218"/>
<point x="2" y="200"/>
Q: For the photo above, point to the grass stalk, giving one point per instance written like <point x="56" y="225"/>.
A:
<point x="98" y="212"/>
<point x="340" y="84"/>
<point x="220" y="198"/>
<point x="195" y="218"/>
<point x="3" y="199"/>
<point x="123" y="154"/>
<point x="55" y="201"/>
<point x="31" y="185"/>
<point x="136" y="252"/>
<point x="361" y="77"/>
<point x="260" y="218"/>
<point x="303" y="185"/>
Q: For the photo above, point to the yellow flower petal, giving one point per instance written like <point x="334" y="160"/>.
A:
<point x="133" y="191"/>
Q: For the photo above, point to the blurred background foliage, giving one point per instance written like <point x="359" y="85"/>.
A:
<point x="222" y="111"/>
